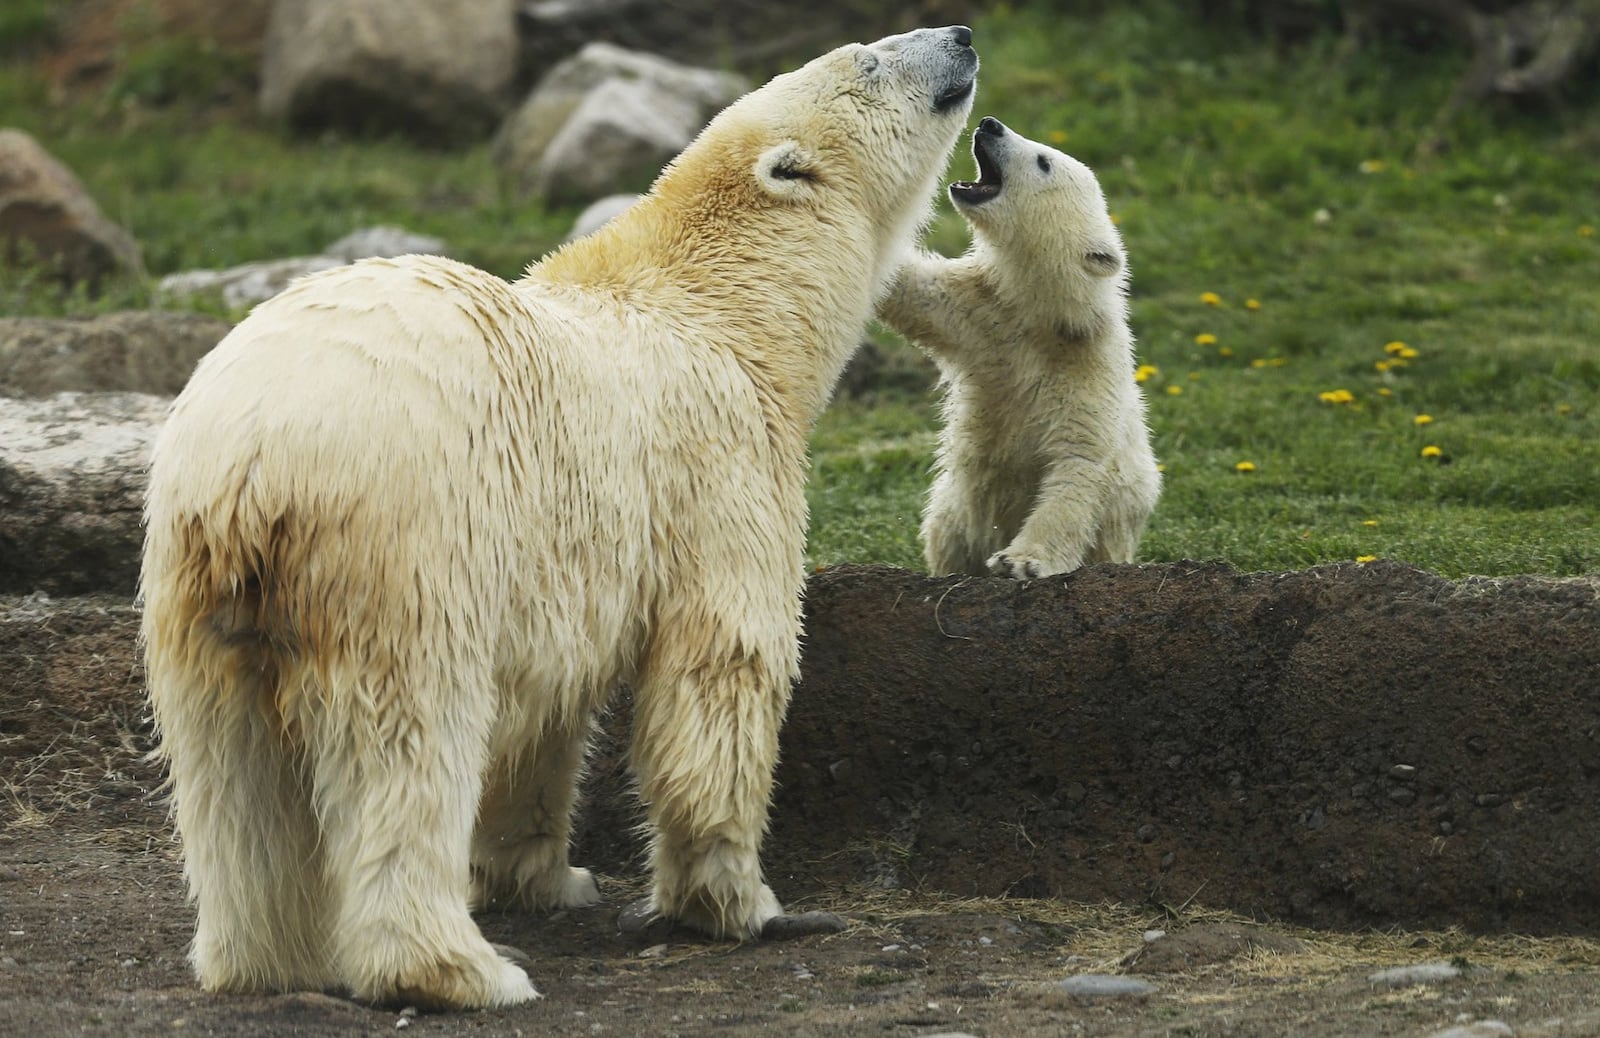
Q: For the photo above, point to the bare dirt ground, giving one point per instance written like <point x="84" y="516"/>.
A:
<point x="93" y="926"/>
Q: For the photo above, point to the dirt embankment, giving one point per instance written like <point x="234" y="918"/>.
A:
<point x="1216" y="783"/>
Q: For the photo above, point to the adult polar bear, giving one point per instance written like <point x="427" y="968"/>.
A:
<point x="408" y="524"/>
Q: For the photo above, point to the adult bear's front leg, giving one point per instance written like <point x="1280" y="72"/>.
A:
<point x="705" y="744"/>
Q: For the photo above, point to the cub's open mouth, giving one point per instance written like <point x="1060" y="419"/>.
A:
<point x="954" y="96"/>
<point x="987" y="186"/>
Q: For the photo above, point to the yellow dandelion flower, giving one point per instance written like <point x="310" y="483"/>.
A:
<point x="1252" y="304"/>
<point x="1161" y="466"/>
<point x="1395" y="347"/>
<point x="1277" y="362"/>
<point x="1210" y="299"/>
<point x="1369" y="522"/>
<point x="1364" y="559"/>
<point x="1244" y="466"/>
<point x="1145" y="372"/>
<point x="1372" y="165"/>
<point x="1563" y="409"/>
<point x="1258" y="362"/>
<point x="1431" y="451"/>
<point x="1205" y="339"/>
<point x="1116" y="219"/>
<point x="1586" y="231"/>
<point x="1336" y="396"/>
<point x="1194" y="376"/>
<point x="1225" y="351"/>
<point x="1408" y="354"/>
<point x="1422" y="419"/>
<point x="1058" y="136"/>
<point x="1174" y="390"/>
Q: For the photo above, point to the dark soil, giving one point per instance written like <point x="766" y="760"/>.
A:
<point x="93" y="926"/>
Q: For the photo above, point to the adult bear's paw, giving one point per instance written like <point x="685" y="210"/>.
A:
<point x="1017" y="567"/>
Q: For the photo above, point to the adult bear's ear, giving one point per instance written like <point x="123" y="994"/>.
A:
<point x="1102" y="261"/>
<point x="788" y="170"/>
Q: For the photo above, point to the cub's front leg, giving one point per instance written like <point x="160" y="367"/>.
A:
<point x="1061" y="529"/>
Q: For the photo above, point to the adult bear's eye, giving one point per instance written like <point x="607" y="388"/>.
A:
<point x="1044" y="164"/>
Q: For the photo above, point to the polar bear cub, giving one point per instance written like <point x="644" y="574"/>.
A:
<point x="409" y="524"/>
<point x="1044" y="463"/>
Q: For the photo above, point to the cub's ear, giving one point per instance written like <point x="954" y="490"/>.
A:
<point x="788" y="170"/>
<point x="1102" y="261"/>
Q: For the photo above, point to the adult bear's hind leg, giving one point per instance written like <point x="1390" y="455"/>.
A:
<point x="398" y="757"/>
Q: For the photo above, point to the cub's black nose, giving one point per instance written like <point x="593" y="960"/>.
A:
<point x="989" y="124"/>
<point x="962" y="34"/>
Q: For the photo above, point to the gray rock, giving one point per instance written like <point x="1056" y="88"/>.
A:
<point x="252" y="283"/>
<point x="439" y="71"/>
<point x="383" y="241"/>
<point x="674" y="101"/>
<point x="599" y="213"/>
<point x="619" y="137"/>
<point x="246" y="284"/>
<point x="46" y="216"/>
<point x="72" y="474"/>
<point x="141" y="351"/>
<point x="1422" y="973"/>
<point x="1105" y="985"/>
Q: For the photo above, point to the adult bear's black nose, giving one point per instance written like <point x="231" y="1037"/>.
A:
<point x="962" y="34"/>
<point x="989" y="124"/>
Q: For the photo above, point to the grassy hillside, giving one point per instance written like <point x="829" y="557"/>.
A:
<point x="1399" y="345"/>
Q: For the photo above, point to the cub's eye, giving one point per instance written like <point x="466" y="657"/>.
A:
<point x="1044" y="164"/>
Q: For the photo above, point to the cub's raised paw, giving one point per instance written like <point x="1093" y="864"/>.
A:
<point x="1015" y="566"/>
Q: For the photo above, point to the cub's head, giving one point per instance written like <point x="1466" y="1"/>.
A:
<point x="1038" y="206"/>
<point x="849" y="145"/>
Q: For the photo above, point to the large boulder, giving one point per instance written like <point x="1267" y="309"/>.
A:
<point x="606" y="120"/>
<point x="438" y="71"/>
<point x="72" y="477"/>
<point x="142" y="351"/>
<point x="47" y="217"/>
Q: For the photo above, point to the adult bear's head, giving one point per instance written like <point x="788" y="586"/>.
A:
<point x="855" y="139"/>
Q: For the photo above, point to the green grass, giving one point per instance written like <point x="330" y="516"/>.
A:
<point x="1217" y="151"/>
<point x="1217" y="155"/>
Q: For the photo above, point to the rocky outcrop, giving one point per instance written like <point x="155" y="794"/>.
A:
<point x="72" y="476"/>
<point x="47" y="218"/>
<point x="141" y="351"/>
<point x="438" y="71"/>
<point x="606" y="121"/>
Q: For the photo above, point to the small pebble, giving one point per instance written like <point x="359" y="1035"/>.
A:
<point x="986" y="941"/>
<point x="1152" y="936"/>
<point x="1422" y="973"/>
<point x="1403" y="772"/>
<point x="1104" y="985"/>
<point x="1481" y="1029"/>
<point x="890" y="948"/>
<point x="655" y="951"/>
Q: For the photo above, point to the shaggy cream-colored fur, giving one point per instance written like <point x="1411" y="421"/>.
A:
<point x="409" y="524"/>
<point x="1044" y="462"/>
